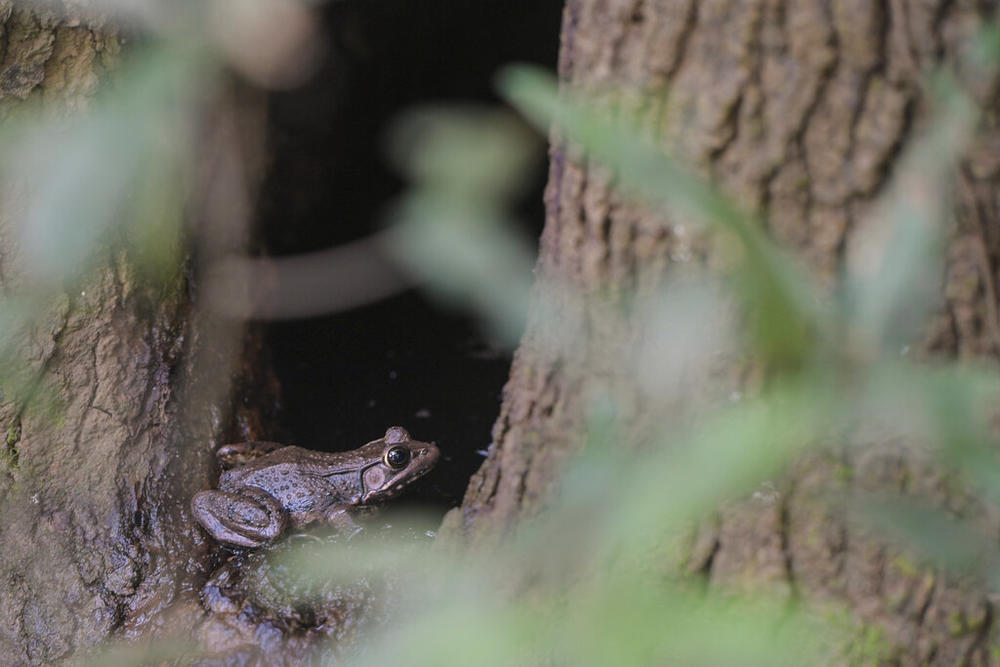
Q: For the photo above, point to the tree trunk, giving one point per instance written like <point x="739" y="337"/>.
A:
<point x="121" y="388"/>
<point x="800" y="110"/>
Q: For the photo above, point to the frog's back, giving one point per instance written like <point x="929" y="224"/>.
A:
<point x="300" y="479"/>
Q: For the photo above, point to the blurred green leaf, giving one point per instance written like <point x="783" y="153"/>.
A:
<point x="450" y="230"/>
<point x="152" y="652"/>
<point x="786" y="319"/>
<point x="944" y="407"/>
<point x="894" y="276"/>
<point x="116" y="166"/>
<point x="948" y="542"/>
<point x="479" y="155"/>
<point x="466" y="256"/>
<point x="624" y="620"/>
<point x="726" y="454"/>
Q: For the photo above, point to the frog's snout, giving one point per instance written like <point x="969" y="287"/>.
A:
<point x="430" y="453"/>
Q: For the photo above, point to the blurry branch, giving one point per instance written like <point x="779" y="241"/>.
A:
<point x="347" y="276"/>
<point x="273" y="43"/>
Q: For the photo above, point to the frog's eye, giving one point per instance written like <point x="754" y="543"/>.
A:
<point x="397" y="457"/>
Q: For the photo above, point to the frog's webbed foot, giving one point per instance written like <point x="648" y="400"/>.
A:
<point x="236" y="454"/>
<point x="249" y="517"/>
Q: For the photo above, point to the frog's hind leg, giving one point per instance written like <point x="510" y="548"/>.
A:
<point x="249" y="517"/>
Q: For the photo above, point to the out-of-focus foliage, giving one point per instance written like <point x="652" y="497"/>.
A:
<point x="464" y="166"/>
<point x="118" y="174"/>
<point x="585" y="582"/>
<point x="84" y="190"/>
<point x="785" y="322"/>
<point x="110" y="180"/>
<point x="111" y="177"/>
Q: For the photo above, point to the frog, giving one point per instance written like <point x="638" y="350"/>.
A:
<point x="271" y="488"/>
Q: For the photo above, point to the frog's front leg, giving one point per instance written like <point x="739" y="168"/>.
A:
<point x="340" y="519"/>
<point x="248" y="517"/>
<point x="337" y="517"/>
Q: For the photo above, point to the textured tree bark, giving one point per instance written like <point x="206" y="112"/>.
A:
<point x="798" y="108"/>
<point x="126" y="387"/>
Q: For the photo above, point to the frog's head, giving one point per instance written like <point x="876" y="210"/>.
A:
<point x="400" y="460"/>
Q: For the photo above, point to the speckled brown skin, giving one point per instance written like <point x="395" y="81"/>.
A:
<point x="799" y="109"/>
<point x="292" y="486"/>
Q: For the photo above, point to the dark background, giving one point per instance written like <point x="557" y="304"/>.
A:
<point x="406" y="360"/>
